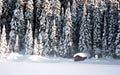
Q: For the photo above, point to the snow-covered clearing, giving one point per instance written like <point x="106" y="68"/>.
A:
<point x="15" y="64"/>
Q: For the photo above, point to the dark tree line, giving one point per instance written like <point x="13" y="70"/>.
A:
<point x="61" y="27"/>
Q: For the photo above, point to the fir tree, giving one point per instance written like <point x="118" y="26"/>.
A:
<point x="12" y="35"/>
<point x="61" y="43"/>
<point x="19" y="23"/>
<point x="85" y="35"/>
<point x="68" y="42"/>
<point x="55" y="32"/>
<point x="117" y="42"/>
<point x="3" y="46"/>
<point x="106" y="29"/>
<point x="113" y="28"/>
<point x="29" y="39"/>
<point x="54" y="39"/>
<point x="75" y="26"/>
<point x="97" y="31"/>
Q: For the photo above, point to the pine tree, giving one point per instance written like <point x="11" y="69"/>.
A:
<point x="85" y="35"/>
<point x="68" y="42"/>
<point x="104" y="39"/>
<point x="3" y="46"/>
<point x="61" y="43"/>
<point x="105" y="29"/>
<point x="29" y="39"/>
<point x="19" y="24"/>
<point x="54" y="39"/>
<point x="117" y="42"/>
<point x="29" y="21"/>
<point x="46" y="27"/>
<point x="75" y="26"/>
<point x="97" y="31"/>
<point x="78" y="22"/>
<point x="112" y="28"/>
<point x="12" y="36"/>
<point x="55" y="29"/>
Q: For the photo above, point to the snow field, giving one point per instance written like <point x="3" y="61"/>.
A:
<point x="15" y="64"/>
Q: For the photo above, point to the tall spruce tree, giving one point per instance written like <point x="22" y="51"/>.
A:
<point x="117" y="42"/>
<point x="68" y="42"/>
<point x="74" y="20"/>
<point x="29" y="22"/>
<point x="29" y="39"/>
<point x="18" y="18"/>
<point x="113" y="28"/>
<point x="85" y="33"/>
<point x="97" y="31"/>
<point x="3" y="42"/>
<point x="55" y="32"/>
<point x="12" y="35"/>
<point x="105" y="29"/>
<point x="61" y="43"/>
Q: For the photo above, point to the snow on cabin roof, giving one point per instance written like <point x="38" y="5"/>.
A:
<point x="80" y="54"/>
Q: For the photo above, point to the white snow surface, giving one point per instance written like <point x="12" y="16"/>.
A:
<point x="16" y="64"/>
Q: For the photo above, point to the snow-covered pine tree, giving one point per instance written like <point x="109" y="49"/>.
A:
<point x="47" y="42"/>
<point x="113" y="28"/>
<point x="117" y="42"/>
<point x="75" y="32"/>
<point x="45" y="26"/>
<point x="29" y="39"/>
<point x="56" y="28"/>
<point x="82" y="45"/>
<point x="29" y="21"/>
<point x="62" y="37"/>
<point x="3" y="47"/>
<point x="56" y="13"/>
<point x="104" y="38"/>
<point x="54" y="42"/>
<point x="85" y="33"/>
<point x="79" y="16"/>
<point x="12" y="35"/>
<point x="68" y="42"/>
<point x="106" y="28"/>
<point x="18" y="21"/>
<point x="97" y="31"/>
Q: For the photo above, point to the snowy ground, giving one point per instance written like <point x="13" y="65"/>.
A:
<point x="15" y="64"/>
